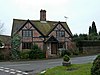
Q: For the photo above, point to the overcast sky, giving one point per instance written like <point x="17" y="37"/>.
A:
<point x="80" y="13"/>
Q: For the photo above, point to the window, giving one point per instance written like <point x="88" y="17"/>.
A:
<point x="61" y="45"/>
<point x="27" y="33"/>
<point x="26" y="45"/>
<point x="60" y="33"/>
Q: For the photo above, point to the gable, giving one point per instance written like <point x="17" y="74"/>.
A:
<point x="22" y="24"/>
<point x="61" y="27"/>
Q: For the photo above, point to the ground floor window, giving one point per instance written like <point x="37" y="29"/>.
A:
<point x="26" y="45"/>
<point x="61" y="45"/>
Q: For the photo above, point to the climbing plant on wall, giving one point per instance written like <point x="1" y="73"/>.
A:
<point x="15" y="43"/>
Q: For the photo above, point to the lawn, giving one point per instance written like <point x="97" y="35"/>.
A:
<point x="74" y="69"/>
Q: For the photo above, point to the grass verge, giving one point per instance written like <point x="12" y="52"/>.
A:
<point x="74" y="69"/>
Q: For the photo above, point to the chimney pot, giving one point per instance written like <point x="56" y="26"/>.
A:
<point x="42" y="15"/>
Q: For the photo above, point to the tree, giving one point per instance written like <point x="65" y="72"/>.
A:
<point x="99" y="33"/>
<point x="15" y="43"/>
<point x="90" y="30"/>
<point x="94" y="29"/>
<point x="93" y="35"/>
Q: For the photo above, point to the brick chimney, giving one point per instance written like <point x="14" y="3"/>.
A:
<point x="42" y="15"/>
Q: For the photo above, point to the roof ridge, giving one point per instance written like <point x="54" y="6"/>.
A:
<point x="38" y="20"/>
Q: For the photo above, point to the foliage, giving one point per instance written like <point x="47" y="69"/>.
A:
<point x="77" y="69"/>
<point x="99" y="33"/>
<point x="79" y="37"/>
<point x="93" y="32"/>
<point x="1" y="56"/>
<point x="76" y="52"/>
<point x="65" y="52"/>
<point x="66" y="58"/>
<point x="90" y="30"/>
<point x="0" y="43"/>
<point x="36" y="53"/>
<point x="15" y="42"/>
<point x="86" y="43"/>
<point x="94" y="29"/>
<point x="83" y="36"/>
<point x="24" y="55"/>
<point x="95" y="70"/>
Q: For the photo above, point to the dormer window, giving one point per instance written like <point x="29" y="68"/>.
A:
<point x="27" y="33"/>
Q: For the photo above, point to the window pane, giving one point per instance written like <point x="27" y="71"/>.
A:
<point x="60" y="33"/>
<point x="26" y="45"/>
<point x="27" y="33"/>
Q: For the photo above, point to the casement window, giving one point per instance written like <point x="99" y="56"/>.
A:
<point x="60" y="33"/>
<point x="26" y="45"/>
<point x="61" y="45"/>
<point x="27" y="33"/>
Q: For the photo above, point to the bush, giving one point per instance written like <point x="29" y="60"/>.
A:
<point x="65" y="52"/>
<point x="36" y="53"/>
<point x="66" y="58"/>
<point x="1" y="56"/>
<point x="95" y="70"/>
<point x="76" y="52"/>
<point x="24" y="55"/>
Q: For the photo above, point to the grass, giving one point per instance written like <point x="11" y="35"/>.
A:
<point x="74" y="69"/>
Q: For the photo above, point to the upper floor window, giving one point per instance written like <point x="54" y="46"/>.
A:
<point x="27" y="33"/>
<point x="60" y="33"/>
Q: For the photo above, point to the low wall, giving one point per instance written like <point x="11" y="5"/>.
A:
<point x="90" y="50"/>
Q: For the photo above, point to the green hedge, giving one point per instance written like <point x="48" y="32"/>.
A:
<point x="95" y="70"/>
<point x="86" y="43"/>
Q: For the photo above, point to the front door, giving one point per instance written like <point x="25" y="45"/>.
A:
<point x="53" y="48"/>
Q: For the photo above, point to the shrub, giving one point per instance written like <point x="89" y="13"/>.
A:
<point x="1" y="56"/>
<point x="36" y="53"/>
<point x="65" y="52"/>
<point x="24" y="55"/>
<point x="95" y="70"/>
<point x="76" y="52"/>
<point x="66" y="58"/>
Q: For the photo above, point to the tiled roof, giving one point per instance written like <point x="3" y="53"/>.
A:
<point x="5" y="39"/>
<point x="43" y="26"/>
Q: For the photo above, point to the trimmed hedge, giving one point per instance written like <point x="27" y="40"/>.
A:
<point x="95" y="70"/>
<point x="86" y="43"/>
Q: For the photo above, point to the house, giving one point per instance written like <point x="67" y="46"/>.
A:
<point x="50" y="36"/>
<point x="5" y="46"/>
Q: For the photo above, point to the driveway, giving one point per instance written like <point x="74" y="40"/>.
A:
<point x="33" y="67"/>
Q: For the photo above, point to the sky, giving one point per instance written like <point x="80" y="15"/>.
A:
<point x="80" y="13"/>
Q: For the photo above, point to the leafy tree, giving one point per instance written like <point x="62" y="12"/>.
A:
<point x="93" y="35"/>
<point x="99" y="33"/>
<point x="90" y="30"/>
<point x="15" y="42"/>
<point x="94" y="29"/>
<point x="83" y="37"/>
<point x="75" y="37"/>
